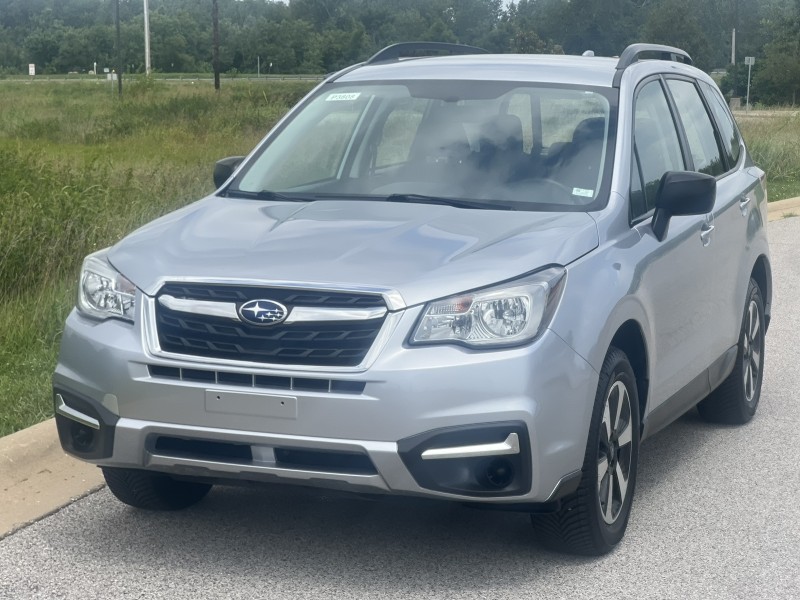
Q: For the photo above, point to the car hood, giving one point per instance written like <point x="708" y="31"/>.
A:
<point x="422" y="251"/>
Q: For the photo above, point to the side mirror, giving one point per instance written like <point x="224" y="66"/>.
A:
<point x="224" y="168"/>
<point x="682" y="193"/>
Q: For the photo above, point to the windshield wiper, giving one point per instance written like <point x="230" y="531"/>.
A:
<point x="456" y="202"/>
<point x="404" y="198"/>
<point x="268" y="195"/>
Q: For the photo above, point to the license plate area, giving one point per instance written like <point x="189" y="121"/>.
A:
<point x="256" y="405"/>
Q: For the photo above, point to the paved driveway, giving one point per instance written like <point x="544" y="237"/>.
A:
<point x="717" y="515"/>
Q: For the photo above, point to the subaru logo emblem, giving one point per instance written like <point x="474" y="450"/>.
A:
<point x="263" y="312"/>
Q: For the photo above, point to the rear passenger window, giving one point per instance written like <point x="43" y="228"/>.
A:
<point x="731" y="143"/>
<point x="655" y="142"/>
<point x="703" y="145"/>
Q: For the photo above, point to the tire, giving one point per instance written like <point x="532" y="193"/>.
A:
<point x="153" y="491"/>
<point x="735" y="401"/>
<point x="587" y="522"/>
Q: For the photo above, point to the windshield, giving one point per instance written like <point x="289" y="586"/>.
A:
<point x="508" y="145"/>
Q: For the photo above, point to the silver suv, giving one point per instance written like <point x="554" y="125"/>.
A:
<point x="472" y="277"/>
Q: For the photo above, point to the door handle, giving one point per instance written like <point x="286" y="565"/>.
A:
<point x="744" y="202"/>
<point x="705" y="234"/>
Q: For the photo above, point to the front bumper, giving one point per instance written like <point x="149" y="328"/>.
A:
<point x="361" y="431"/>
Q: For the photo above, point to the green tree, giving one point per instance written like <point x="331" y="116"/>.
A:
<point x="685" y="32"/>
<point x="777" y="80"/>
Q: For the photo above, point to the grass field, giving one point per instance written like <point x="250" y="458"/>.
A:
<point x="773" y="138"/>
<point x="79" y="168"/>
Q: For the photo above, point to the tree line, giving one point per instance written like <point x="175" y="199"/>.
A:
<point x="318" y="36"/>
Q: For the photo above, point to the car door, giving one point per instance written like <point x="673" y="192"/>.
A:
<point x="673" y="276"/>
<point x="727" y="240"/>
<point x="739" y="219"/>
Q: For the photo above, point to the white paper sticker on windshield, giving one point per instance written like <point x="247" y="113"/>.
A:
<point x="582" y="192"/>
<point x="343" y="97"/>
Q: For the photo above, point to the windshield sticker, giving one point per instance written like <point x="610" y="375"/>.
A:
<point x="582" y="192"/>
<point x="343" y="97"/>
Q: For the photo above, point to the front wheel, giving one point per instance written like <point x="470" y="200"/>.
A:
<point x="593" y="519"/>
<point x="153" y="491"/>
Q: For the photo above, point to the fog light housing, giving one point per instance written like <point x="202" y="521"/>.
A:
<point x="85" y="427"/>
<point x="473" y="460"/>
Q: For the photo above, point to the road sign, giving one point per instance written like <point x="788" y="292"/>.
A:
<point x="750" y="60"/>
<point x="31" y="69"/>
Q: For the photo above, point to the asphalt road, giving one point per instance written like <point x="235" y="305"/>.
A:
<point x="716" y="515"/>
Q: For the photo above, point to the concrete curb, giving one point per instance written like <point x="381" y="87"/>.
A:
<point x="784" y="208"/>
<point x="37" y="478"/>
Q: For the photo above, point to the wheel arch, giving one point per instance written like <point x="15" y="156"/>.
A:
<point x="762" y="274"/>
<point x="629" y="338"/>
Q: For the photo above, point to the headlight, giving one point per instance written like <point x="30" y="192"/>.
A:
<point x="103" y="292"/>
<point x="512" y="313"/>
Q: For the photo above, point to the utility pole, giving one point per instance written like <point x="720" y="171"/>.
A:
<point x="215" y="42"/>
<point x="119" y="49"/>
<point x="146" y="38"/>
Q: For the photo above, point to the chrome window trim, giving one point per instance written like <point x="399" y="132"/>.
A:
<point x="298" y="314"/>
<point x="152" y="347"/>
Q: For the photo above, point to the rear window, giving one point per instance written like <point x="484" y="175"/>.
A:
<point x="731" y="141"/>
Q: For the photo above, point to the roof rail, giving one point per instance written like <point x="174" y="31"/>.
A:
<point x="409" y="49"/>
<point x="634" y="52"/>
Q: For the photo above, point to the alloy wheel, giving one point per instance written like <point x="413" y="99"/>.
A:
<point x="614" y="452"/>
<point x="752" y="351"/>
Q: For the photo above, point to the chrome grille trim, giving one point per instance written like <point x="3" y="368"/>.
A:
<point x="393" y="299"/>
<point x="298" y="314"/>
<point x="226" y="310"/>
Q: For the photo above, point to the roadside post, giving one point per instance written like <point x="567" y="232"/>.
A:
<point x="749" y="61"/>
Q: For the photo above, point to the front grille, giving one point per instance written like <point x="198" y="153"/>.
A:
<point x="248" y="380"/>
<point x="324" y="343"/>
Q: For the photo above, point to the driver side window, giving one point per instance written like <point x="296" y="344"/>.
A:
<point x="657" y="148"/>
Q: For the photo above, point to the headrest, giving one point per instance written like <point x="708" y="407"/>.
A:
<point x="504" y="132"/>
<point x="589" y="130"/>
